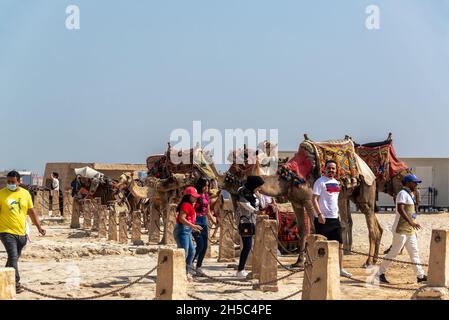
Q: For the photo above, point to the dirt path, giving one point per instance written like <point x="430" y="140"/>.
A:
<point x="72" y="263"/>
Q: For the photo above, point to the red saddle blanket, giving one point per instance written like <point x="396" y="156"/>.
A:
<point x="382" y="160"/>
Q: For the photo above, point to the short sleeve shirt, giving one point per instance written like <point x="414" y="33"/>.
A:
<point x="400" y="225"/>
<point x="328" y="190"/>
<point x="190" y="212"/>
<point x="14" y="206"/>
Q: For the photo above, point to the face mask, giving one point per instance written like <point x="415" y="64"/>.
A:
<point x="11" y="187"/>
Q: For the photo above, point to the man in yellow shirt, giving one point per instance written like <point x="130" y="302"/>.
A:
<point x="15" y="204"/>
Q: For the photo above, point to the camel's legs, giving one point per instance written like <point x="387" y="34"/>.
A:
<point x="310" y="213"/>
<point x="346" y="223"/>
<point x="300" y="218"/>
<point x="374" y="230"/>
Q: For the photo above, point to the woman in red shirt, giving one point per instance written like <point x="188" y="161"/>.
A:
<point x="185" y="224"/>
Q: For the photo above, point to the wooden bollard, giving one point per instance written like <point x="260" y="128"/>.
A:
<point x="76" y="212"/>
<point x="102" y="213"/>
<point x="209" y="243"/>
<point x="438" y="272"/>
<point x="67" y="202"/>
<point x="96" y="207"/>
<point x="269" y="267"/>
<point x="122" y="228"/>
<point x="226" y="251"/>
<point x="325" y="271"/>
<point x="171" y="275"/>
<point x="258" y="243"/>
<point x="112" y="226"/>
<point x="170" y="222"/>
<point x="310" y="247"/>
<point x="87" y="212"/>
<point x="7" y="283"/>
<point x="136" y="226"/>
<point x="154" y="224"/>
<point x="55" y="195"/>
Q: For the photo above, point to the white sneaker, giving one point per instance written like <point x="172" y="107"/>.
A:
<point x="199" y="271"/>
<point x="242" y="274"/>
<point x="344" y="273"/>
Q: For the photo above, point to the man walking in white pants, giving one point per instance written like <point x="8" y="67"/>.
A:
<point x="404" y="229"/>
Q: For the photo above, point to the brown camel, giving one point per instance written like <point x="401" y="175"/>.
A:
<point x="361" y="193"/>
<point x="381" y="157"/>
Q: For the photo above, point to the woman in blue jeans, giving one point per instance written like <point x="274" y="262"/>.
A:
<point x="202" y="209"/>
<point x="185" y="224"/>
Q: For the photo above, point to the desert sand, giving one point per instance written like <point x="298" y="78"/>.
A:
<point x="73" y="263"/>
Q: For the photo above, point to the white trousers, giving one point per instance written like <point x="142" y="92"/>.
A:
<point x="411" y="244"/>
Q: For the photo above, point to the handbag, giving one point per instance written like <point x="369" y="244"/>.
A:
<point x="246" y="229"/>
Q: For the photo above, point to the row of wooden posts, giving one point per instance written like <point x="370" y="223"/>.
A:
<point x="322" y="275"/>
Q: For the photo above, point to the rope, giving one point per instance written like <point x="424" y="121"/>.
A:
<point x="194" y="297"/>
<point x="290" y="295"/>
<point x="280" y="263"/>
<point x="45" y="295"/>
<point x="244" y="284"/>
<point x="388" y="259"/>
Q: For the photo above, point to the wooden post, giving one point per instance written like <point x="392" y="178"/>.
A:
<point x="112" y="226"/>
<point x="76" y="212"/>
<point x="96" y="207"/>
<point x="154" y="235"/>
<point x="269" y="266"/>
<point x="38" y="205"/>
<point x="171" y="275"/>
<point x="438" y="272"/>
<point x="123" y="228"/>
<point x="136" y="226"/>
<point x="102" y="221"/>
<point x="67" y="201"/>
<point x="55" y="207"/>
<point x="7" y="283"/>
<point x="310" y="248"/>
<point x="258" y="243"/>
<point x="209" y="244"/>
<point x="226" y="251"/>
<point x="87" y="211"/>
<point x="325" y="273"/>
<point x="170" y="225"/>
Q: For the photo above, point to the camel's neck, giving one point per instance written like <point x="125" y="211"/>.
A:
<point x="274" y="186"/>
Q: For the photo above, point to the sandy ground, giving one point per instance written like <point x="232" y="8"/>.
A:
<point x="73" y="263"/>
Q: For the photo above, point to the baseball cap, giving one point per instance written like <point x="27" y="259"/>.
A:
<point x="191" y="191"/>
<point x="410" y="178"/>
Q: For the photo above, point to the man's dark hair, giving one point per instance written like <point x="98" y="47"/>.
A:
<point x="13" y="174"/>
<point x="331" y="161"/>
<point x="56" y="175"/>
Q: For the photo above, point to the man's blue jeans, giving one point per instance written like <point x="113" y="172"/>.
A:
<point x="183" y="237"/>
<point x="201" y="239"/>
<point x="13" y="246"/>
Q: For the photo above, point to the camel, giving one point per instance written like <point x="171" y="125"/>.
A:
<point x="300" y="195"/>
<point x="388" y="180"/>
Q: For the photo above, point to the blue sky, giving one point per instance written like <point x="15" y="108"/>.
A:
<point x="115" y="89"/>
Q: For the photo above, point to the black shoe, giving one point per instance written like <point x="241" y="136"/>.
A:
<point x="383" y="279"/>
<point x="19" y="288"/>
<point x="423" y="279"/>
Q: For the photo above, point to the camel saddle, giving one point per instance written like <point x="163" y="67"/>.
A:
<point x="311" y="157"/>
<point x="188" y="161"/>
<point x="381" y="159"/>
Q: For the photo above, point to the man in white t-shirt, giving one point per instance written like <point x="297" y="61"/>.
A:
<point x="404" y="229"/>
<point x="326" y="190"/>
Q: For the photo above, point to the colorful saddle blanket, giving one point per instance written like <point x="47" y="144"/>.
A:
<point x="312" y="156"/>
<point x="381" y="159"/>
<point x="185" y="162"/>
